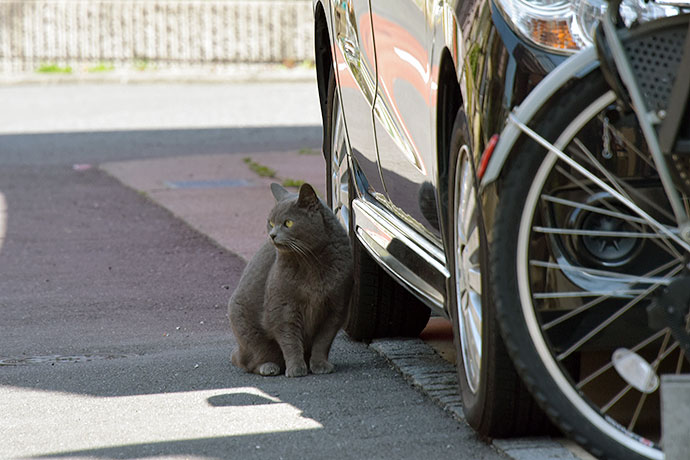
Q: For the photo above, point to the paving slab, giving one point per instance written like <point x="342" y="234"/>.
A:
<point x="220" y="195"/>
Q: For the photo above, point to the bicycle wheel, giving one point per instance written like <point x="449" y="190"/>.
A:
<point x="596" y="242"/>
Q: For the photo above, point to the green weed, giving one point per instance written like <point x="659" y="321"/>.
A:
<point x="53" y="68"/>
<point x="297" y="183"/>
<point x="101" y="67"/>
<point x="258" y="168"/>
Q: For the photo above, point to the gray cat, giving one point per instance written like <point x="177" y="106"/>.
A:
<point x="294" y="294"/>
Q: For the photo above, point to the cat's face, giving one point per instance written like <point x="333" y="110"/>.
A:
<point x="295" y="223"/>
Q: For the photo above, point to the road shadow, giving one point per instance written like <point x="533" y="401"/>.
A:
<point x="102" y="146"/>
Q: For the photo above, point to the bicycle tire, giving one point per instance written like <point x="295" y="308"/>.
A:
<point x="536" y="352"/>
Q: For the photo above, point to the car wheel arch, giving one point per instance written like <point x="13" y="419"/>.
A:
<point x="323" y="57"/>
<point x="449" y="105"/>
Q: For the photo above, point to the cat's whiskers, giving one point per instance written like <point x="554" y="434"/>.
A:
<point x="307" y="255"/>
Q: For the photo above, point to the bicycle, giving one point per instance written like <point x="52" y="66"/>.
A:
<point x="592" y="291"/>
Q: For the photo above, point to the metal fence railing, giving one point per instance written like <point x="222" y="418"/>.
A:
<point x="34" y="33"/>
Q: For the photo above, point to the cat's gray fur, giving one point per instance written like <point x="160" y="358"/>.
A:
<point x="294" y="294"/>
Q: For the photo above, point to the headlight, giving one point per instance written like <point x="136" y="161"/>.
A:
<point x="564" y="26"/>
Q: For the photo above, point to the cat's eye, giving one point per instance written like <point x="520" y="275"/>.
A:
<point x="288" y="223"/>
<point x="270" y="222"/>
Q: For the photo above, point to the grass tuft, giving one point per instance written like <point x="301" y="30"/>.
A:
<point x="308" y="151"/>
<point x="101" y="67"/>
<point x="53" y="68"/>
<point x="259" y="169"/>
<point x="297" y="183"/>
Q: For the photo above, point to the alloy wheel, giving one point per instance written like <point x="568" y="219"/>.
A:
<point x="467" y="272"/>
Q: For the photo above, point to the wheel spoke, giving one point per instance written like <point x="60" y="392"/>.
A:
<point x="599" y="233"/>
<point x="603" y="273"/>
<point x="467" y="220"/>
<point x="592" y="303"/>
<point x="621" y="293"/>
<point x="666" y="247"/>
<point x="472" y="245"/>
<point x="654" y="365"/>
<point x="593" y="161"/>
<point x="643" y="397"/>
<point x="623" y="188"/>
<point x="613" y="317"/>
<point x="474" y="280"/>
<point x="608" y="366"/>
<point x="465" y="301"/>
<point x="475" y="321"/>
<point x="596" y="209"/>
<point x="630" y="146"/>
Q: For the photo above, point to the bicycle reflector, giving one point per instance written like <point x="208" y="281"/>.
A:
<point x="486" y="156"/>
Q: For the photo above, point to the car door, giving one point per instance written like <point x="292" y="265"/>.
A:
<point x="356" y="72"/>
<point x="402" y="111"/>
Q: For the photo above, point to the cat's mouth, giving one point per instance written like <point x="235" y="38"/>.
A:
<point x="281" y="246"/>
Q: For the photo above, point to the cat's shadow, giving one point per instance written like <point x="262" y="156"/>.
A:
<point x="238" y="400"/>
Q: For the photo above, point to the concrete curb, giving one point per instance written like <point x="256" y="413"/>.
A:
<point x="426" y="370"/>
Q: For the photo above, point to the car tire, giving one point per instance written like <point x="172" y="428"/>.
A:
<point x="495" y="401"/>
<point x="379" y="306"/>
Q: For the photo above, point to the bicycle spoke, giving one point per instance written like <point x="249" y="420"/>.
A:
<point x="599" y="238"/>
<point x="681" y="360"/>
<point x="610" y="404"/>
<point x="600" y="233"/>
<point x="608" y="366"/>
<point x="603" y="273"/>
<point x="643" y="398"/>
<point x="592" y="303"/>
<point x="621" y="186"/>
<point x="613" y="317"/>
<point x="596" y="209"/>
<point x="654" y="366"/>
<point x="600" y="183"/>
<point x="621" y="293"/>
<point x="607" y="174"/>
<point x="665" y="246"/>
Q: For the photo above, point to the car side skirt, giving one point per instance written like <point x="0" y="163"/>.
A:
<point x="416" y="263"/>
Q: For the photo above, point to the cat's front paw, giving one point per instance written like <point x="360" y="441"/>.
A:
<point x="269" y="369"/>
<point x="299" y="370"/>
<point x="321" y="367"/>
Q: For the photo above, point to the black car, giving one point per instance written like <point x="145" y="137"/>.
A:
<point x="413" y="95"/>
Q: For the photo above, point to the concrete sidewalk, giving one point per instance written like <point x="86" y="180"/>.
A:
<point x="220" y="196"/>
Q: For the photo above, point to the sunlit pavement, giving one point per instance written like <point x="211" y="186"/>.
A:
<point x="114" y="341"/>
<point x="191" y="415"/>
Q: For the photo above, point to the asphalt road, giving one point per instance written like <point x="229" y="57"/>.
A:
<point x="114" y="341"/>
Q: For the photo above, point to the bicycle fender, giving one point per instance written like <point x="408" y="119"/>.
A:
<point x="584" y="60"/>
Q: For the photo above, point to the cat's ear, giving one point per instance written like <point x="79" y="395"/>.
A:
<point x="279" y="192"/>
<point x="307" y="197"/>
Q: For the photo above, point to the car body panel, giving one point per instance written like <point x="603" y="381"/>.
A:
<point x="401" y="111"/>
<point x="388" y="57"/>
<point x="355" y="67"/>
